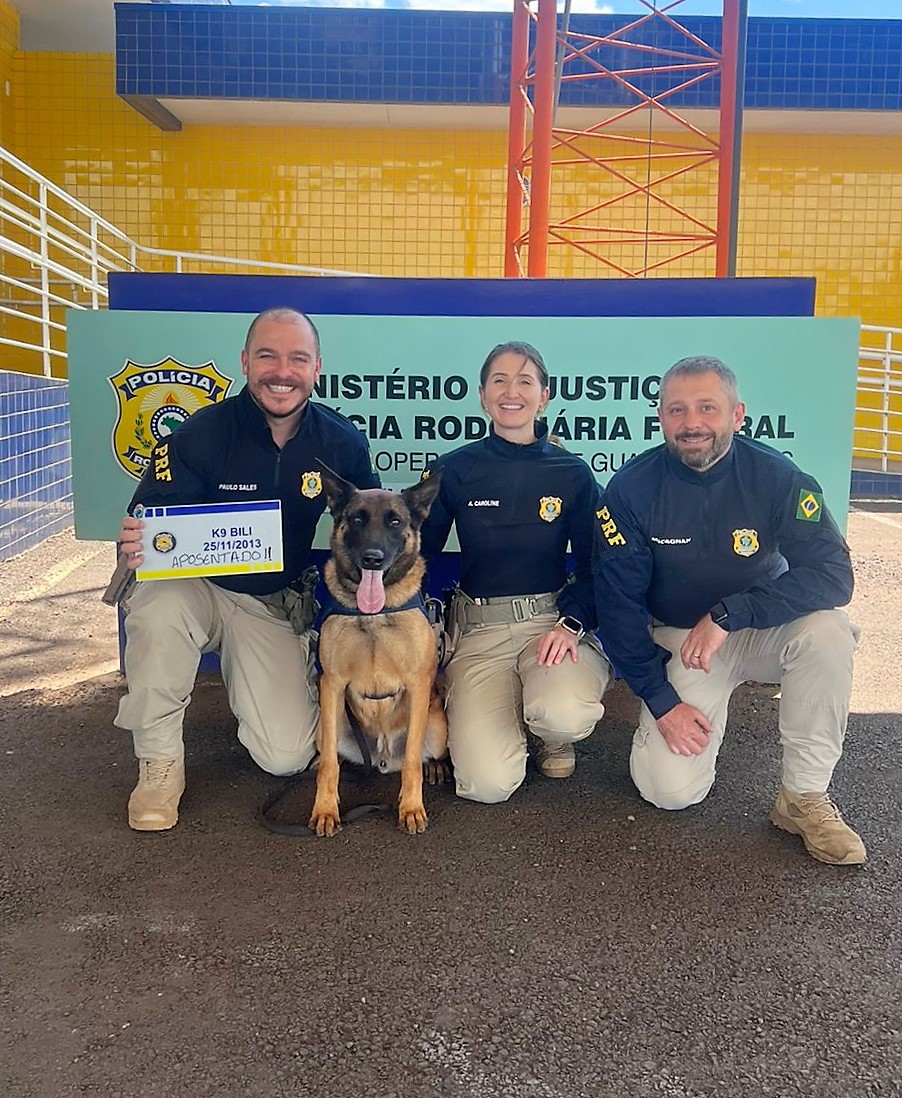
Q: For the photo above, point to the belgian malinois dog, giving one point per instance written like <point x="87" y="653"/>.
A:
<point x="377" y="648"/>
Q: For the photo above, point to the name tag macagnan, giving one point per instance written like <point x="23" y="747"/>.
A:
<point x="211" y="539"/>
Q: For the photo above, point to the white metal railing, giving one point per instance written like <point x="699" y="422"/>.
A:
<point x="878" y="411"/>
<point x="56" y="253"/>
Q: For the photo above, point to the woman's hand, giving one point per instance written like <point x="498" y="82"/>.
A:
<point x="555" y="645"/>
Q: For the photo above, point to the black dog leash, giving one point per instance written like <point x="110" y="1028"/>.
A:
<point x="356" y="774"/>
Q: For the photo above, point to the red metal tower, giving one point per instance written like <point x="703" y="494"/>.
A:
<point x="546" y="57"/>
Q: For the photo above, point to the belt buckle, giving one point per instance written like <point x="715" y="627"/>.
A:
<point x="523" y="608"/>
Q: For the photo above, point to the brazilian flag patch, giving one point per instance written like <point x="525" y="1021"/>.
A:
<point x="811" y="504"/>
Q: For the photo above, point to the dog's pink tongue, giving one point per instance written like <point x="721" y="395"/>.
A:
<point x="370" y="593"/>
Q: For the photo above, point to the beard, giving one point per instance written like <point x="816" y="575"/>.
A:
<point x="700" y="459"/>
<point x="258" y="396"/>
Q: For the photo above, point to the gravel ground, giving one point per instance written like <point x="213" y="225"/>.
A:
<point x="573" y="942"/>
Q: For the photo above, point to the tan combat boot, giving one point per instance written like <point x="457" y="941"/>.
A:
<point x="556" y="762"/>
<point x="816" y="818"/>
<point x="154" y="803"/>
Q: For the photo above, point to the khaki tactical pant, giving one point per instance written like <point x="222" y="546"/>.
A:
<point x="268" y="671"/>
<point x="811" y="659"/>
<point x="496" y="690"/>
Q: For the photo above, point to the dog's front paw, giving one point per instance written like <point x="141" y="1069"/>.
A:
<point x="412" y="817"/>
<point x="324" y="819"/>
<point x="437" y="771"/>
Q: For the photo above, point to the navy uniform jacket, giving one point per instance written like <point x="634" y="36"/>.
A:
<point x="516" y="508"/>
<point x="752" y="532"/>
<point x="225" y="453"/>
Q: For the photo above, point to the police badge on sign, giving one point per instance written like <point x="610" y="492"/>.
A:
<point x="154" y="400"/>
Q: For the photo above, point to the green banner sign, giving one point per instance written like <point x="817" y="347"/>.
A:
<point x="410" y="383"/>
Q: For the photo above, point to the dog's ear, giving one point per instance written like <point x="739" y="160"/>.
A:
<point x="419" y="497"/>
<point x="338" y="490"/>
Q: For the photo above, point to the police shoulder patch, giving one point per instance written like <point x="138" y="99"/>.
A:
<point x="162" y="467"/>
<point x="608" y="528"/>
<point x="810" y="506"/>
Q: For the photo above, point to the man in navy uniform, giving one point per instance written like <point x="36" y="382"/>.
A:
<point x="718" y="563"/>
<point x="262" y="444"/>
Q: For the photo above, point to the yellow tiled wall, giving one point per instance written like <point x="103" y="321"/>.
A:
<point x="418" y="202"/>
<point x="10" y="267"/>
<point x="9" y="43"/>
<point x="391" y="202"/>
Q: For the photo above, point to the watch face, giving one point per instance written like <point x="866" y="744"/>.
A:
<point x="571" y="625"/>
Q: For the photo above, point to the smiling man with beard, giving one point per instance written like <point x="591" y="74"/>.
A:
<point x="262" y="444"/>
<point x="718" y="563"/>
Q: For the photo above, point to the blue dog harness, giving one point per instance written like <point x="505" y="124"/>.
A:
<point x="335" y="607"/>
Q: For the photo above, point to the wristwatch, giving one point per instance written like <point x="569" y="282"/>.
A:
<point x="572" y="625"/>
<point x="719" y="614"/>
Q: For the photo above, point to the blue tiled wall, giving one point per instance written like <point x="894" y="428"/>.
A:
<point x="872" y="485"/>
<point x="35" y="461"/>
<point x="180" y="50"/>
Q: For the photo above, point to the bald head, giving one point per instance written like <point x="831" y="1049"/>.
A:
<point x="286" y="315"/>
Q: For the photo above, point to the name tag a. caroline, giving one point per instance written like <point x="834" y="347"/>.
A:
<point x="212" y="539"/>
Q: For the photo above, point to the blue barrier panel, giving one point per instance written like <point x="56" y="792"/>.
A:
<point x="464" y="296"/>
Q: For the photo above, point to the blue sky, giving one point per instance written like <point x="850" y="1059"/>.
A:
<point x="807" y="9"/>
<point x="801" y="9"/>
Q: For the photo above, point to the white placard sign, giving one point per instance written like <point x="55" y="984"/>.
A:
<point x="211" y="539"/>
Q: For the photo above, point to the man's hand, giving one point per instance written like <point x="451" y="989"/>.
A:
<point x="130" y="542"/>
<point x="555" y="645"/>
<point x="686" y="730"/>
<point x="698" y="649"/>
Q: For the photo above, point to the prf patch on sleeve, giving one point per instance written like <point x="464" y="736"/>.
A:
<point x="160" y="457"/>
<point x="608" y="527"/>
<point x="811" y="504"/>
